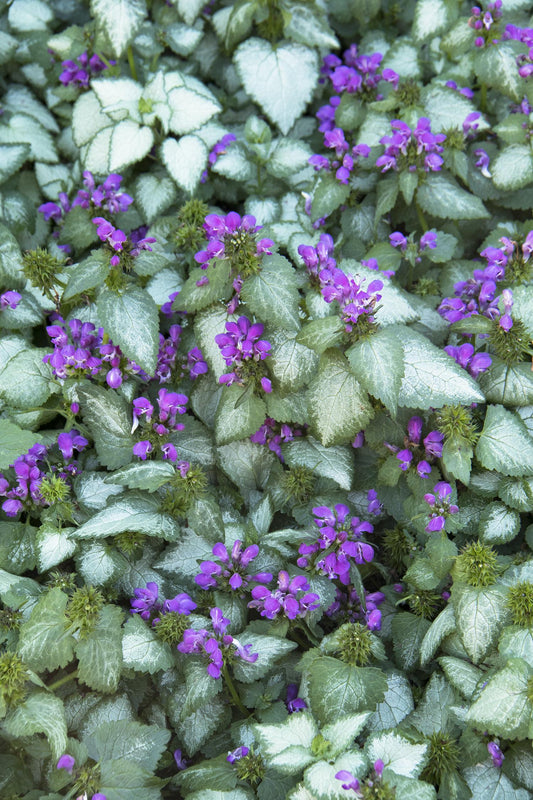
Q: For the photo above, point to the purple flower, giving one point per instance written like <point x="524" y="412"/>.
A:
<point x="495" y="753"/>
<point x="287" y="600"/>
<point x="145" y="600"/>
<point x="66" y="762"/>
<point x="428" y="241"/>
<point x="232" y="574"/>
<point x="142" y="449"/>
<point x="181" y="604"/>
<point x="9" y="299"/>
<point x="68" y="442"/>
<point x="237" y="754"/>
<point x="181" y="763"/>
<point x="440" y="506"/>
<point x="292" y="701"/>
<point x="349" y="781"/>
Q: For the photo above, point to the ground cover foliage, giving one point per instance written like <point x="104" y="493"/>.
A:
<point x="266" y="426"/>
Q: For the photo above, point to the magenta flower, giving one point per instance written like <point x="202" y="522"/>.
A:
<point x="66" y="762"/>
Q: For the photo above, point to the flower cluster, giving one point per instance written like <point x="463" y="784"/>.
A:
<point x="216" y="646"/>
<point x="27" y="490"/>
<point x="348" y="606"/>
<point x="68" y="762"/>
<point x="371" y="786"/>
<point x="230" y="571"/>
<point x="411" y="454"/>
<point x="118" y="242"/>
<point x="474" y="363"/>
<point x="79" y="72"/>
<point x="79" y="351"/>
<point x="483" y="21"/>
<point x="218" y="149"/>
<point x="106" y="196"/>
<point x="428" y="241"/>
<point x="440" y="506"/>
<point x="170" y="404"/>
<point x="146" y="603"/>
<point x="9" y="299"/>
<point x="340" y="540"/>
<point x="274" y="434"/>
<point x="524" y="62"/>
<point x="344" y="159"/>
<point x="412" y="149"/>
<point x="243" y="350"/>
<point x="233" y="237"/>
<point x="287" y="600"/>
<point x="477" y="295"/>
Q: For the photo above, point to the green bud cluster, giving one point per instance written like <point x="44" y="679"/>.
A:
<point x="13" y="677"/>
<point x="355" y="644"/>
<point x="299" y="483"/>
<point x="511" y="346"/>
<point x="84" y="609"/>
<point x="251" y="768"/>
<point x="476" y="564"/>
<point x="190" y="234"/>
<point x="456" y="423"/>
<point x="520" y="602"/>
<point x="170" y="627"/>
<point x="443" y="757"/>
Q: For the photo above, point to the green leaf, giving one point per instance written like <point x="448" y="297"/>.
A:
<point x="53" y="546"/>
<point x="513" y="167"/>
<point x="432" y="379"/>
<point x="480" y="614"/>
<point x="40" y="713"/>
<point x="287" y="746"/>
<point x="26" y="382"/>
<point x="184" y="558"/>
<point x="154" y="195"/>
<point x="432" y="17"/>
<point x="272" y="294"/>
<point x="503" y="708"/>
<point x="131" y="319"/>
<point x="147" y="475"/>
<point x="88" y="274"/>
<point x="504" y="444"/>
<point x="194" y="731"/>
<point x="80" y="232"/>
<point x="496" y="67"/>
<point x="338" y="406"/>
<point x="337" y="689"/>
<point x="408" y="632"/>
<point x="336" y="463"/>
<point x="99" y="563"/>
<point x="117" y="146"/>
<point x="385" y="353"/>
<point x="142" y="744"/>
<point x="395" y="706"/>
<point x="487" y="782"/>
<point x="17" y="547"/>
<point x="457" y="459"/>
<point x="288" y="157"/>
<point x="246" y="465"/>
<point x="100" y="653"/>
<point x="320" y="777"/>
<point x="397" y="753"/>
<point x="135" y="512"/>
<point x="122" y="779"/>
<point x="441" y="196"/>
<point x="498" y="524"/>
<point x="239" y="414"/>
<point x="108" y="417"/>
<point x="387" y="194"/>
<point x="517" y="642"/>
<point x="194" y="298"/>
<point x="120" y="19"/>
<point x="142" y="650"/>
<point x="328" y="195"/>
<point x="185" y="160"/>
<point x="270" y="650"/>
<point x="14" y="442"/>
<point x="462" y="675"/>
<point x="45" y="642"/>
<point x="408" y="184"/>
<point x="411" y="789"/>
<point x="291" y="363"/>
<point x="92" y="492"/>
<point x="321" y="334"/>
<point x="280" y="79"/>
<point x="12" y="157"/>
<point x="432" y="712"/>
<point x="510" y="385"/>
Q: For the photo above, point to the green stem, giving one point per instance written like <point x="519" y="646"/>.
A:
<point x="61" y="682"/>
<point x="233" y="692"/>
<point x="131" y="62"/>
<point x="483" y="98"/>
<point x="421" y="218"/>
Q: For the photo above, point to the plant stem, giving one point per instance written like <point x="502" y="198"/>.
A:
<point x="483" y="97"/>
<point x="233" y="692"/>
<point x="421" y="218"/>
<point x="131" y="62"/>
<point x="61" y="682"/>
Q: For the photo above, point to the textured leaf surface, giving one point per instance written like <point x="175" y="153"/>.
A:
<point x="120" y="19"/>
<point x="134" y="512"/>
<point x="513" y="167"/>
<point x="238" y="415"/>
<point x="505" y="444"/>
<point x="397" y="753"/>
<point x="100" y="653"/>
<point x="143" y="744"/>
<point x="330" y="462"/>
<point x="44" y="641"/>
<point x="377" y="363"/>
<point x="40" y="713"/>
<point x="336" y="688"/>
<point x="280" y="79"/>
<point x="287" y="746"/>
<point x="431" y="378"/>
<point x="108" y="417"/>
<point x="185" y="160"/>
<point x="338" y="406"/>
<point x="131" y="320"/>
<point x="441" y="196"/>
<point x="503" y="708"/>
<point x="272" y="294"/>
<point x="480" y="614"/>
<point x="142" y="650"/>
